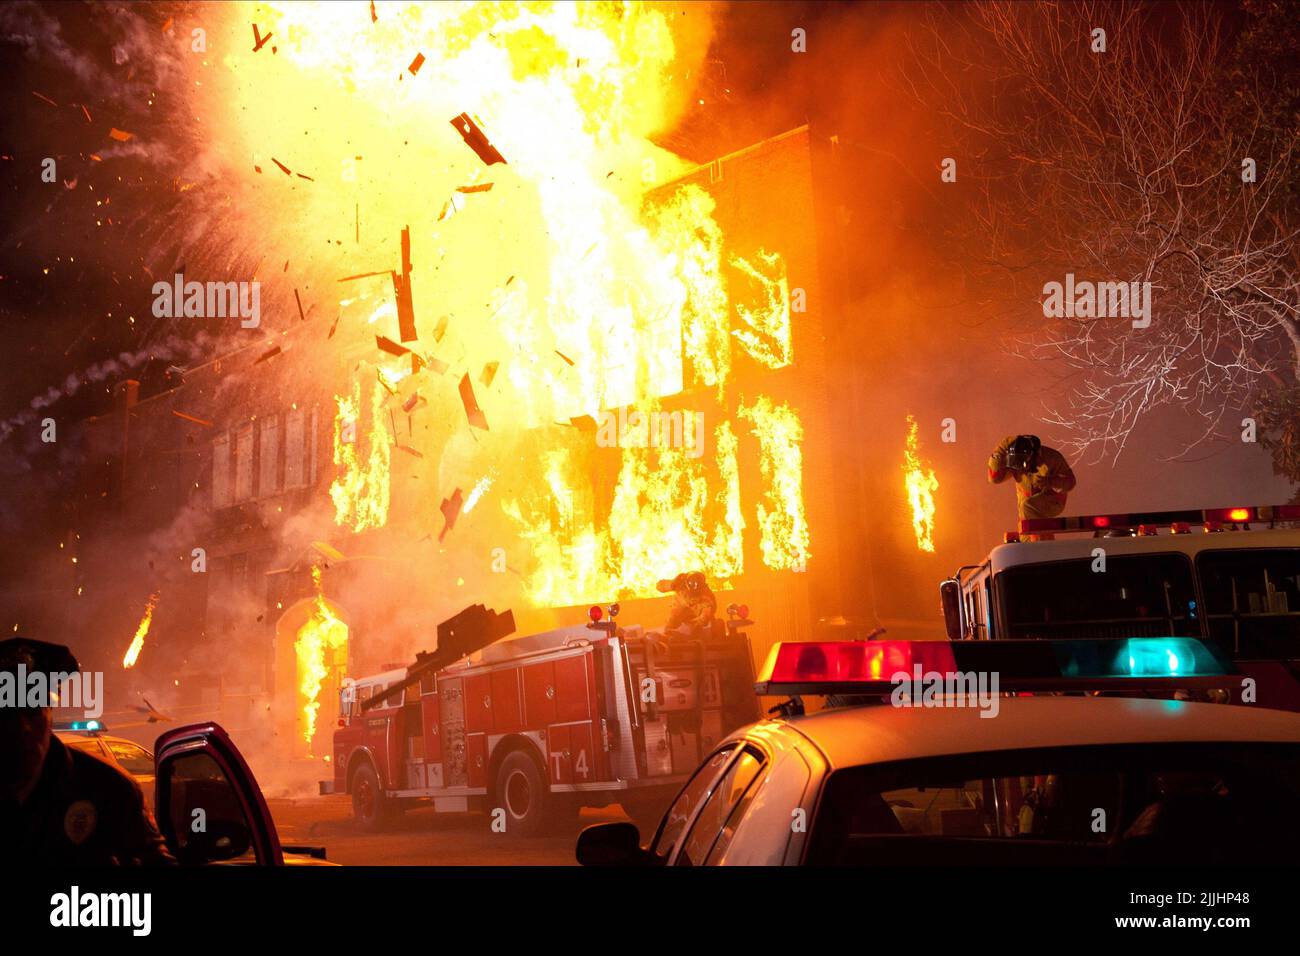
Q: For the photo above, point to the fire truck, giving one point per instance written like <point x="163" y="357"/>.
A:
<point x="533" y="728"/>
<point x="1230" y="576"/>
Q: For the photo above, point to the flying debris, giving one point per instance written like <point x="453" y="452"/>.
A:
<point x="120" y="135"/>
<point x="301" y="315"/>
<point x="450" y="208"/>
<point x="385" y="344"/>
<point x="488" y="374"/>
<point x="268" y="354"/>
<point x="410" y="404"/>
<point x="283" y="168"/>
<point x="409" y="450"/>
<point x="402" y="286"/>
<point x="450" y="509"/>
<point x="259" y="41"/>
<point x="137" y="642"/>
<point x="472" y="410"/>
<point x="563" y="356"/>
<point x="476" y="139"/>
<point x="441" y="328"/>
<point x="190" y="418"/>
<point x="152" y="712"/>
<point x="416" y="64"/>
<point x="477" y="188"/>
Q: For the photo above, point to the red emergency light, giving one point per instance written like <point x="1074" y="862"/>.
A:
<point x="869" y="668"/>
<point x="851" y="663"/>
<point x="595" y="613"/>
<point x="1150" y="521"/>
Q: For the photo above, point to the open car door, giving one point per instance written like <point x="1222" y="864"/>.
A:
<point x="209" y="807"/>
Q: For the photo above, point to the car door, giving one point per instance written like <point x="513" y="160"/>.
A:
<point x="209" y="806"/>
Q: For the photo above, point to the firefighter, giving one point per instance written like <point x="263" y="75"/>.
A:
<point x="59" y="805"/>
<point x="695" y="606"/>
<point x="1042" y="475"/>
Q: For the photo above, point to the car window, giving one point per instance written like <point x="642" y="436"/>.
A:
<point x="696" y="790"/>
<point x="770" y="820"/>
<point x="222" y="830"/>
<point x="734" y="819"/>
<point x="1152" y="803"/>
<point x="134" y="759"/>
<point x="1148" y="595"/>
<point x="1252" y="599"/>
<point x="712" y="818"/>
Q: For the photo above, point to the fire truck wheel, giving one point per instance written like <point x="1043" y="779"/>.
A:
<point x="369" y="805"/>
<point x="522" y="791"/>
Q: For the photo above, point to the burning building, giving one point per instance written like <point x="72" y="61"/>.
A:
<point x="346" y="498"/>
<point x="510" y="350"/>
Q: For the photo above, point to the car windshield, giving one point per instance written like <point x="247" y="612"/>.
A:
<point x="1148" y="595"/>
<point x="1182" y="804"/>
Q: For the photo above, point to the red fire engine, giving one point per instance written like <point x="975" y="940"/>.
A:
<point x="534" y="728"/>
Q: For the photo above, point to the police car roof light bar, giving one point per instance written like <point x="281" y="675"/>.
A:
<point x="1261" y="514"/>
<point x="869" y="667"/>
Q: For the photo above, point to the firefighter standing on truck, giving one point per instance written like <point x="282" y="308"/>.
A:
<point x="1042" y="475"/>
<point x="695" y="606"/>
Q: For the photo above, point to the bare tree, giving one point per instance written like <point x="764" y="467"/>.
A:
<point x="1125" y="165"/>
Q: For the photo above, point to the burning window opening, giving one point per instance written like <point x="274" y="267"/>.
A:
<point x="921" y="484"/>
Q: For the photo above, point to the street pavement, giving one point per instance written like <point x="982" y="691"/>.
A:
<point x="421" y="837"/>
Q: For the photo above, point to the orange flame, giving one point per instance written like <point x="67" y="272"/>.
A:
<point x="784" y="525"/>
<point x="553" y="269"/>
<point x="361" y="490"/>
<point x="137" y="642"/>
<point x="921" y="484"/>
<point x="318" y="647"/>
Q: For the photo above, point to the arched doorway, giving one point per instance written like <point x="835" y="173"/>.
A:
<point x="311" y="655"/>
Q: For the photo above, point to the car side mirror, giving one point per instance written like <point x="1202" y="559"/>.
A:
<point x="954" y="617"/>
<point x="610" y="844"/>
<point x="209" y="807"/>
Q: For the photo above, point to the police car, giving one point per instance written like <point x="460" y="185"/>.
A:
<point x="938" y="763"/>
<point x="92" y="737"/>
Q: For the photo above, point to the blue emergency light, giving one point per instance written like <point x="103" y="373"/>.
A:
<point x="87" y="726"/>
<point x="871" y="667"/>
